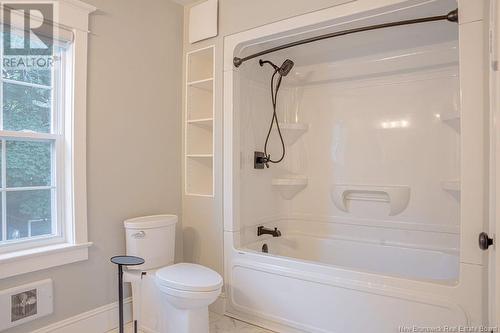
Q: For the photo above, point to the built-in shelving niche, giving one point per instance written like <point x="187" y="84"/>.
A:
<point x="199" y="122"/>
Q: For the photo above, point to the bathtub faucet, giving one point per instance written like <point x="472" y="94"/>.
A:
<point x="266" y="231"/>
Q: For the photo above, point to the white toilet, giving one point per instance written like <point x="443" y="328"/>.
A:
<point x="169" y="298"/>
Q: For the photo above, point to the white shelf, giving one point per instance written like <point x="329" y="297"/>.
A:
<point x="204" y="84"/>
<point x="451" y="185"/>
<point x="293" y="131"/>
<point x="205" y="122"/>
<point x="289" y="187"/>
<point x="452" y="119"/>
<point x="200" y="195"/>
<point x="450" y="116"/>
<point x="200" y="155"/>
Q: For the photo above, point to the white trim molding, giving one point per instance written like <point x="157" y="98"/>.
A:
<point x="72" y="244"/>
<point x="100" y="320"/>
<point x="26" y="261"/>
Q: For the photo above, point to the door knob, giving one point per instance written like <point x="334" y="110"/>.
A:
<point x="485" y="241"/>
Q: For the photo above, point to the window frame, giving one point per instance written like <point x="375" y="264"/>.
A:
<point x="69" y="176"/>
<point x="58" y="91"/>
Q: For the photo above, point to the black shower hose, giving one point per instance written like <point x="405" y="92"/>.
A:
<point x="274" y="97"/>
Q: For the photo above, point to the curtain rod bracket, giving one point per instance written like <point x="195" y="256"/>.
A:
<point x="237" y="62"/>
<point x="452" y="16"/>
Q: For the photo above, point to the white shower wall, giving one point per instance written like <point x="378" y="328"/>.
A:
<point x="386" y="130"/>
<point x="374" y="120"/>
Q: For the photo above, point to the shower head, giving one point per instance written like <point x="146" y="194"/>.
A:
<point x="285" y="68"/>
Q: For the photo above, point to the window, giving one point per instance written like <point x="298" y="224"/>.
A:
<point x="43" y="221"/>
<point x="32" y="148"/>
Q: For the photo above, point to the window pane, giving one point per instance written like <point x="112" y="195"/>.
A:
<point x="28" y="163"/>
<point x="28" y="67"/>
<point x="26" y="108"/>
<point x="29" y="214"/>
<point x="29" y="75"/>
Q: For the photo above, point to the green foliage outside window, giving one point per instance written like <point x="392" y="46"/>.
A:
<point x="28" y="163"/>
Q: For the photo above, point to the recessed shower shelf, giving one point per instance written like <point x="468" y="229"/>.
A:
<point x="289" y="187"/>
<point x="397" y="197"/>
<point x="293" y="131"/>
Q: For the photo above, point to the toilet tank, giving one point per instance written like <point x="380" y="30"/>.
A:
<point x="151" y="238"/>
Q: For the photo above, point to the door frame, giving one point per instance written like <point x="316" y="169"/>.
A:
<point x="494" y="227"/>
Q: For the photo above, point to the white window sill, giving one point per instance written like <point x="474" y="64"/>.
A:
<point x="26" y="261"/>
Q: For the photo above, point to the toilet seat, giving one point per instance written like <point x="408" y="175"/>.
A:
<point x="189" y="278"/>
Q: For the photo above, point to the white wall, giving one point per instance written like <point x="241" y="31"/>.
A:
<point x="133" y="140"/>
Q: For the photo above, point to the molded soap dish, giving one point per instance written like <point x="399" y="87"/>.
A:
<point x="398" y="197"/>
<point x="289" y="187"/>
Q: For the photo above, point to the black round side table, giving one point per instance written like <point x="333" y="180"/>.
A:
<point x="124" y="261"/>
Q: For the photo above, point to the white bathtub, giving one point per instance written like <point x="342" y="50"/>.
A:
<point x="312" y="284"/>
<point x="407" y="262"/>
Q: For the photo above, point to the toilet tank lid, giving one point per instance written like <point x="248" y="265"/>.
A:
<point x="189" y="277"/>
<point x="149" y="222"/>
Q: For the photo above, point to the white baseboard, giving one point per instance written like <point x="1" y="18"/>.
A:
<point x="105" y="318"/>
<point x="99" y="320"/>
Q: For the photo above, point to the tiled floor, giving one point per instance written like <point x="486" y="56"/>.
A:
<point x="222" y="324"/>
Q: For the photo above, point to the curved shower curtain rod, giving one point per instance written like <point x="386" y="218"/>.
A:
<point x="451" y="17"/>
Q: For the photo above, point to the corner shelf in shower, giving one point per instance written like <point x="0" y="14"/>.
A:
<point x="199" y="123"/>
<point x="452" y="119"/>
<point x="397" y="197"/>
<point x="450" y="116"/>
<point x="293" y="131"/>
<point x="289" y="187"/>
<point x="451" y="185"/>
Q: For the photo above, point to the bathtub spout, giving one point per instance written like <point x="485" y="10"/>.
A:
<point x="265" y="231"/>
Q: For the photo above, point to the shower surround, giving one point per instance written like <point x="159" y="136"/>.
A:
<point x="378" y="208"/>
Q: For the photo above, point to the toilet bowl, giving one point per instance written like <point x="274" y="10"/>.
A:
<point x="186" y="292"/>
<point x="170" y="298"/>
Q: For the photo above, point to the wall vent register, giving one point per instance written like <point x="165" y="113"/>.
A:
<point x="25" y="303"/>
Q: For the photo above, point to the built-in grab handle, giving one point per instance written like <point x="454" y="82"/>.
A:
<point x="397" y="197"/>
<point x="139" y="235"/>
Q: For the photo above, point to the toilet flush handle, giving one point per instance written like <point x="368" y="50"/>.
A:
<point x="139" y="235"/>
